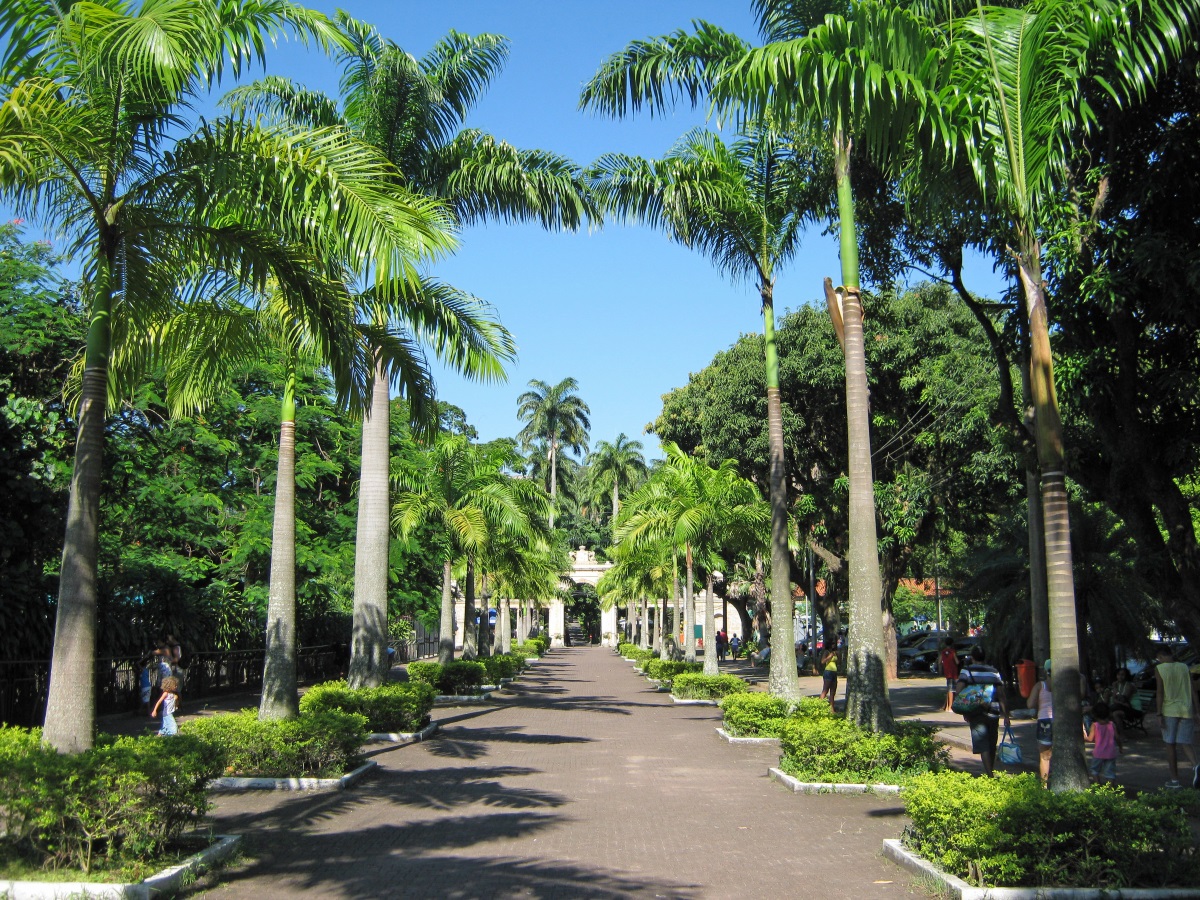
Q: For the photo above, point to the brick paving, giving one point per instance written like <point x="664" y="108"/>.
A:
<point x="582" y="782"/>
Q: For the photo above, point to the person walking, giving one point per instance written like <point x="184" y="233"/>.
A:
<point x="948" y="663"/>
<point x="1041" y="699"/>
<point x="1107" y="744"/>
<point x="1177" y="705"/>
<point x="988" y="705"/>
<point x="168" y="702"/>
<point x="829" y="675"/>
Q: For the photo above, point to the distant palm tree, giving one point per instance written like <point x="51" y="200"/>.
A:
<point x="413" y="110"/>
<point x="744" y="205"/>
<point x="556" y="415"/>
<point x="465" y="491"/>
<point x="615" y="466"/>
<point x="92" y="141"/>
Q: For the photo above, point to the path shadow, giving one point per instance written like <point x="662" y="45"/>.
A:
<point x="401" y="861"/>
<point x="473" y="744"/>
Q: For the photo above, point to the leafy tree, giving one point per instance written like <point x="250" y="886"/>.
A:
<point x="615" y="466"/>
<point x="92" y="101"/>
<point x="558" y="417"/>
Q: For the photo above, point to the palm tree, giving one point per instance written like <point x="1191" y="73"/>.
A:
<point x="523" y="569"/>
<point x="92" y="101"/>
<point x="558" y="417"/>
<point x="1015" y="101"/>
<point x="464" y="489"/>
<point x="639" y="573"/>
<point x="412" y="110"/>
<point x="615" y="466"/>
<point x="697" y="509"/>
<point x="743" y="205"/>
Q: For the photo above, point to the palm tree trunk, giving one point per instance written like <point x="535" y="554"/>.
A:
<point x="470" y="633"/>
<point x="279" y="697"/>
<point x="553" y="480"/>
<point x="505" y="627"/>
<point x="446" y="624"/>
<point x="71" y="702"/>
<point x="677" y="624"/>
<point x="644" y="629"/>
<point x="782" y="680"/>
<point x="867" y="702"/>
<point x="660" y="623"/>
<point x="616" y="500"/>
<point x="368" y="649"/>
<point x="710" y="631"/>
<point x="1067" y="767"/>
<point x="689" y="609"/>
<point x="1039" y="606"/>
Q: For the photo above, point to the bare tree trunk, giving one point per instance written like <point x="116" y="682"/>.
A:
<point x="643" y="626"/>
<point x="71" y="702"/>
<point x="280" y="699"/>
<point x="446" y="625"/>
<point x="711" y="666"/>
<point x="677" y="625"/>
<point x="504" y="625"/>
<point x="368" y="648"/>
<point x="689" y="610"/>
<point x="1068" y="770"/>
<point x="470" y="634"/>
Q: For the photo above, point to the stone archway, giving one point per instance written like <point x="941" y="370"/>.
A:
<point x="585" y="569"/>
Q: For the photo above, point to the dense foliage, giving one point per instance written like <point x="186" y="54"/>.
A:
<point x="1010" y="832"/>
<point x="390" y="708"/>
<point x="125" y="799"/>
<point x="321" y="744"/>
<point x="831" y="749"/>
<point x="693" y="686"/>
<point x="763" y="715"/>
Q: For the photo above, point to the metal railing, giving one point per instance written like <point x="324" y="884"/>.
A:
<point x="422" y="645"/>
<point x="24" y="683"/>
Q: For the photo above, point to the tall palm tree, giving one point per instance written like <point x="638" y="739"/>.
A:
<point x="90" y="122"/>
<point x="413" y="111"/>
<point x="466" y="491"/>
<point x="615" y="466"/>
<point x="557" y="416"/>
<point x="744" y="206"/>
<point x="696" y="509"/>
<point x="1014" y="99"/>
<point x="523" y="570"/>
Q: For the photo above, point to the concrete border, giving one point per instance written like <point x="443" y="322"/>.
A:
<point x="234" y="783"/>
<point x="461" y="699"/>
<point x="166" y="881"/>
<point x="721" y="732"/>
<point x="403" y="737"/>
<point x="820" y="787"/>
<point x="959" y="889"/>
<point x="685" y="701"/>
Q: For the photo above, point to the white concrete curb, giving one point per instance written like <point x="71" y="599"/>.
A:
<point x="403" y="737"/>
<point x="821" y="787"/>
<point x="959" y="889"/>
<point x="234" y="783"/>
<point x="460" y="699"/>
<point x="683" y="701"/>
<point x="166" y="881"/>
<point x="747" y="740"/>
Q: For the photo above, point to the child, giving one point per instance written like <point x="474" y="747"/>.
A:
<point x="169" y="701"/>
<point x="1103" y="733"/>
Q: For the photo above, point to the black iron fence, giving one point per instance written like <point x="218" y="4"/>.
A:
<point x="24" y="683"/>
<point x="422" y="645"/>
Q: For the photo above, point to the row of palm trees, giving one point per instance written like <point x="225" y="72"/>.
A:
<point x="293" y="223"/>
<point x="973" y="112"/>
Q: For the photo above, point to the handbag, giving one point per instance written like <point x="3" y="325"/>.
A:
<point x="1009" y="751"/>
<point x="974" y="698"/>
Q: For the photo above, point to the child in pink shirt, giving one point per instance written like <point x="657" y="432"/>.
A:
<point x="1107" y="744"/>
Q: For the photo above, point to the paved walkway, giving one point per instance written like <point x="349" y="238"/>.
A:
<point x="582" y="783"/>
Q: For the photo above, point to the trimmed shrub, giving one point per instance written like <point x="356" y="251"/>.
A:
<point x="319" y="744"/>
<point x="762" y="715"/>
<point x="520" y="663"/>
<point x="697" y="686"/>
<point x="499" y="667"/>
<point x="665" y="670"/>
<point x="463" y="676"/>
<point x="388" y="708"/>
<point x="831" y="749"/>
<point x="532" y="647"/>
<point x="428" y="672"/>
<point x="1011" y="832"/>
<point x="122" y="801"/>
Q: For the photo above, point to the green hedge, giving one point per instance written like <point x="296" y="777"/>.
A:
<point x="319" y="744"/>
<point x="697" y="686"/>
<point x="831" y="749"/>
<point x="763" y="715"/>
<point x="535" y="646"/>
<point x="388" y="708"/>
<point x="122" y="801"/>
<point x="1011" y="832"/>
<point x="665" y="670"/>
<point x="428" y="672"/>
<point x="463" y="676"/>
<point x="500" y="666"/>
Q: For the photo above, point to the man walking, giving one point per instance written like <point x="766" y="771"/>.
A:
<point x="1177" y="705"/>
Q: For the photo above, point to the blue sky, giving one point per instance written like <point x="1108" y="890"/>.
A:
<point x="621" y="309"/>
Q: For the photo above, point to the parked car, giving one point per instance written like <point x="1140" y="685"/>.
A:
<point x="921" y="656"/>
